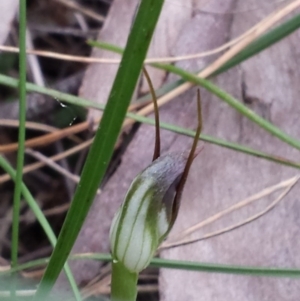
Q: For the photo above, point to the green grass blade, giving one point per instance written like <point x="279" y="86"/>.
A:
<point x="265" y="41"/>
<point x="220" y="142"/>
<point x="11" y="82"/>
<point x="260" y="44"/>
<point x="234" y="103"/>
<point x="216" y="141"/>
<point x="22" y="129"/>
<point x="225" y="269"/>
<point x="105" y="139"/>
<point x="208" y="267"/>
<point x="41" y="219"/>
<point x="105" y="46"/>
<point x="24" y="266"/>
<point x="181" y="265"/>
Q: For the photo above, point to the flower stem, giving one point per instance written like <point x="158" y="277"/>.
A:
<point x="123" y="283"/>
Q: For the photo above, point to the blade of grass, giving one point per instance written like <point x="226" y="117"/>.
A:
<point x="42" y="220"/>
<point x="178" y="264"/>
<point x="258" y="45"/>
<point x="105" y="139"/>
<point x="11" y="82"/>
<point x="225" y="269"/>
<point x="223" y="143"/>
<point x="105" y="46"/>
<point x="207" y="267"/>
<point x="22" y="129"/>
<point x="263" y="42"/>
<point x="234" y="103"/>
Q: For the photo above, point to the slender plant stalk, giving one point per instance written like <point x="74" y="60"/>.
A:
<point x="208" y="267"/>
<point x="177" y="264"/>
<point x="230" y="100"/>
<point x="105" y="138"/>
<point x="260" y="44"/>
<point x="30" y="87"/>
<point x="75" y="100"/>
<point x="234" y="103"/>
<point x="21" y="137"/>
<point x="123" y="283"/>
<point x="42" y="220"/>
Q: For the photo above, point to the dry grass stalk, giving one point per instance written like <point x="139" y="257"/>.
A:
<point x="182" y="239"/>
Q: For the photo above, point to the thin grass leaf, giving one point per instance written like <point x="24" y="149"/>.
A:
<point x="11" y="82"/>
<point x="234" y="103"/>
<point x="23" y="266"/>
<point x="225" y="269"/>
<point x="263" y="42"/>
<point x="105" y="139"/>
<point x="105" y="46"/>
<point x="21" y="134"/>
<point x="220" y="142"/>
<point x="42" y="220"/>
<point x="208" y="267"/>
<point x="179" y="265"/>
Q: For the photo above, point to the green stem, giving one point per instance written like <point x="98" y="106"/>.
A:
<point x="123" y="283"/>
<point x="256" y="46"/>
<point x="180" y="265"/>
<point x="234" y="103"/>
<point x="75" y="100"/>
<point x="21" y="138"/>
